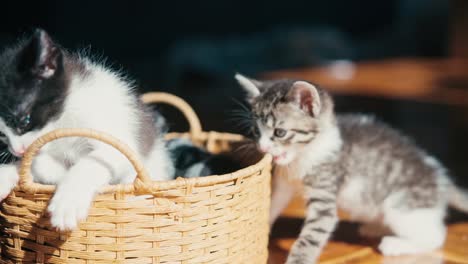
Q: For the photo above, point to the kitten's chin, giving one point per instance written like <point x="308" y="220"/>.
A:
<point x="283" y="159"/>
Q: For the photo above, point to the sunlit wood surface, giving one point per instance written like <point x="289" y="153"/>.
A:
<point x="433" y="80"/>
<point x="348" y="247"/>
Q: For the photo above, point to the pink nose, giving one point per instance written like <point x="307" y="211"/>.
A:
<point x="19" y="152"/>
<point x="264" y="148"/>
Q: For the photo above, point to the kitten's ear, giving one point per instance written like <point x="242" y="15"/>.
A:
<point x="41" y="57"/>
<point x="251" y="86"/>
<point x="306" y="96"/>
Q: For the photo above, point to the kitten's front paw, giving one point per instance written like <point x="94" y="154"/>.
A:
<point x="67" y="209"/>
<point x="4" y="194"/>
<point x="4" y="191"/>
<point x="295" y="258"/>
<point x="297" y="261"/>
<point x="8" y="179"/>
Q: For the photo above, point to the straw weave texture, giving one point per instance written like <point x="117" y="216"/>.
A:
<point x="215" y="219"/>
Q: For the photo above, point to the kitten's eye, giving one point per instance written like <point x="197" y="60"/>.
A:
<point x="279" y="132"/>
<point x="25" y="121"/>
<point x="255" y="131"/>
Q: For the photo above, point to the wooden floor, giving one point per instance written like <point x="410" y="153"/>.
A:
<point x="348" y="247"/>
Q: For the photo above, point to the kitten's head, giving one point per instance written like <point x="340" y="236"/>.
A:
<point x="32" y="89"/>
<point x="289" y="115"/>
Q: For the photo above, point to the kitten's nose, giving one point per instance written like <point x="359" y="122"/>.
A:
<point x="19" y="152"/>
<point x="264" y="148"/>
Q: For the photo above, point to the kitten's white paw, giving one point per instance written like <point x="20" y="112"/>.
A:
<point x="8" y="179"/>
<point x="5" y="190"/>
<point x="392" y="246"/>
<point x="67" y="210"/>
<point x="298" y="261"/>
<point x="396" y="246"/>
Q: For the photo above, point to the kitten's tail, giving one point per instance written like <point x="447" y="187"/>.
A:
<point x="458" y="199"/>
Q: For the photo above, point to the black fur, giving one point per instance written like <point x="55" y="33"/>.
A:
<point x="191" y="161"/>
<point x="33" y="83"/>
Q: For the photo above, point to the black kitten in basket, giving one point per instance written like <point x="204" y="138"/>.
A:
<point x="191" y="161"/>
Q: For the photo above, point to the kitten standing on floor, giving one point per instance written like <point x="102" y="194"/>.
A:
<point x="44" y="87"/>
<point x="354" y="162"/>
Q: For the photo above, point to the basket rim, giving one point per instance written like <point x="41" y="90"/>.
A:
<point x="141" y="188"/>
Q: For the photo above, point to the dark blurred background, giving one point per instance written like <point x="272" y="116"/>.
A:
<point x="402" y="60"/>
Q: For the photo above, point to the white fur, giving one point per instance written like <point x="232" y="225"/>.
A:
<point x="9" y="178"/>
<point x="248" y="85"/>
<point x="406" y="231"/>
<point x="320" y="149"/>
<point x="102" y="101"/>
<point x="415" y="231"/>
<point x="350" y="199"/>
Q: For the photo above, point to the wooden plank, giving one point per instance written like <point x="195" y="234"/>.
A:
<point x="459" y="28"/>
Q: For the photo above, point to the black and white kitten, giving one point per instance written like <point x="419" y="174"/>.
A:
<point x="44" y="87"/>
<point x="353" y="162"/>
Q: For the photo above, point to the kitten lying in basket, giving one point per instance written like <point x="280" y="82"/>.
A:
<point x="376" y="174"/>
<point x="44" y="87"/>
<point x="191" y="161"/>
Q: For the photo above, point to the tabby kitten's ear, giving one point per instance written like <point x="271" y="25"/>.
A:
<point x="306" y="96"/>
<point x="251" y="86"/>
<point x="41" y="57"/>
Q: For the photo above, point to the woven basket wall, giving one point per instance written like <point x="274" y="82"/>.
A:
<point x="215" y="219"/>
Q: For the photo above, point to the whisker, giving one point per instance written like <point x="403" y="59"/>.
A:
<point x="6" y="157"/>
<point x="241" y="104"/>
<point x="3" y="154"/>
<point x="7" y="108"/>
<point x="241" y="148"/>
<point x="242" y="115"/>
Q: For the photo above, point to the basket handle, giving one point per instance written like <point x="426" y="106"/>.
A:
<point x="26" y="183"/>
<point x="180" y="104"/>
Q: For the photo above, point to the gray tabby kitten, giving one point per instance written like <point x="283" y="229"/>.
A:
<point x="371" y="171"/>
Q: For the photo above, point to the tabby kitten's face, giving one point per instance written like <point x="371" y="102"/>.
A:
<point x="289" y="115"/>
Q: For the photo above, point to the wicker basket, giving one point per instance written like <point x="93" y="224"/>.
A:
<point x="215" y="219"/>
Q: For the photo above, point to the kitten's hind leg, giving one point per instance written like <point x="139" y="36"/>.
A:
<point x="416" y="231"/>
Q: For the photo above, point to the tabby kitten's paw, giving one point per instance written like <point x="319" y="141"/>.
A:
<point x="300" y="257"/>
<point x="297" y="261"/>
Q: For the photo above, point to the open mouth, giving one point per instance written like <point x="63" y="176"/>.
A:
<point x="280" y="156"/>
